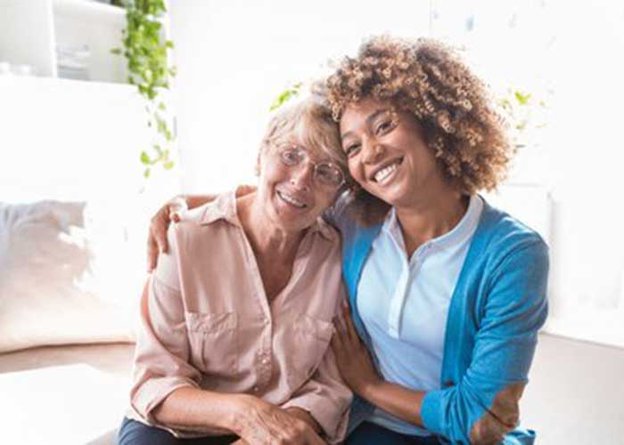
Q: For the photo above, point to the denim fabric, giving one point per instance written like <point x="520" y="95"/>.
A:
<point x="370" y="434"/>
<point x="132" y="432"/>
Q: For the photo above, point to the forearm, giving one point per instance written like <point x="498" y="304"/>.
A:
<point x="198" y="410"/>
<point x="397" y="400"/>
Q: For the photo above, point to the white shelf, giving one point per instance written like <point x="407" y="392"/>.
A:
<point x="20" y="83"/>
<point x="19" y="45"/>
<point x="90" y="10"/>
<point x="75" y="25"/>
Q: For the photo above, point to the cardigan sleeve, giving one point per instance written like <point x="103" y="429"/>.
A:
<point x="483" y="405"/>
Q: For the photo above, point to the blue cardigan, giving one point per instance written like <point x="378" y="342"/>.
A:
<point x="497" y="307"/>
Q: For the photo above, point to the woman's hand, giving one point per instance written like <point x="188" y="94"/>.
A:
<point x="170" y="212"/>
<point x="260" y="422"/>
<point x="159" y="224"/>
<point x="352" y="358"/>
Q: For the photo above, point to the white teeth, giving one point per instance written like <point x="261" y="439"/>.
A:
<point x="291" y="200"/>
<point x="385" y="172"/>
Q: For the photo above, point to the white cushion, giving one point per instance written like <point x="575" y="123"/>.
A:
<point x="54" y="277"/>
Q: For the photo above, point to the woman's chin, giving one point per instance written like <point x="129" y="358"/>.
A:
<point x="391" y="194"/>
<point x="289" y="220"/>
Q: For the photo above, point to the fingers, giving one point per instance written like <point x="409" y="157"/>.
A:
<point x="160" y="225"/>
<point x="157" y="237"/>
<point x="338" y="345"/>
<point x="350" y="327"/>
<point x="344" y="326"/>
<point x="339" y="324"/>
<point x="303" y="433"/>
<point x="175" y="207"/>
<point x="314" y="439"/>
<point x="152" y="254"/>
<point x="246" y="189"/>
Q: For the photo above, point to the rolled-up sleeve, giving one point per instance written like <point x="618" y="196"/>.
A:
<point x="326" y="398"/>
<point x="161" y="362"/>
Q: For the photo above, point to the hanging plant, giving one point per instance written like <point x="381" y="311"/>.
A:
<point x="146" y="51"/>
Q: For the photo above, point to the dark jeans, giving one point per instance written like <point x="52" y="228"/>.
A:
<point x="370" y="434"/>
<point x="136" y="433"/>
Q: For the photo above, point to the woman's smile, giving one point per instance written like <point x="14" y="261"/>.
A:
<point x="292" y="200"/>
<point x="386" y="173"/>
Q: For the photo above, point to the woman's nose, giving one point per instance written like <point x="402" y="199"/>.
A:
<point x="372" y="150"/>
<point x="302" y="175"/>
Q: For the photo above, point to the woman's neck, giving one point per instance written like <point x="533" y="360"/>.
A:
<point x="431" y="217"/>
<point x="265" y="238"/>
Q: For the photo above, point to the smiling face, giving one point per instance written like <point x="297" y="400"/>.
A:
<point x="387" y="153"/>
<point x="292" y="198"/>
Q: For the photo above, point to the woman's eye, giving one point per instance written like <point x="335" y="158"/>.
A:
<point x="384" y="127"/>
<point x="352" y="149"/>
<point x="291" y="157"/>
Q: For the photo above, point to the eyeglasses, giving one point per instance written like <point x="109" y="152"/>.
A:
<point x="325" y="173"/>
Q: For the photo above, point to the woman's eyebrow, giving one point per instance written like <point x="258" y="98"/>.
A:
<point x="369" y="121"/>
<point x="375" y="115"/>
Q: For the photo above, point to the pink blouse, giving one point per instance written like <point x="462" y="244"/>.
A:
<point x="207" y="323"/>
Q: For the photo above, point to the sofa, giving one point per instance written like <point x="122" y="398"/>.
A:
<point x="70" y="278"/>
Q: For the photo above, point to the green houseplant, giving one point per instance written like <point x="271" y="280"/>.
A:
<point x="146" y="50"/>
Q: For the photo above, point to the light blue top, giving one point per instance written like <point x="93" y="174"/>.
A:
<point x="495" y="312"/>
<point x="404" y="305"/>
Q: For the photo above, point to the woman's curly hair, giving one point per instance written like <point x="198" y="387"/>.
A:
<point x="453" y="106"/>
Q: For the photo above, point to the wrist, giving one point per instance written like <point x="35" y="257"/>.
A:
<point x="368" y="388"/>
<point x="236" y="408"/>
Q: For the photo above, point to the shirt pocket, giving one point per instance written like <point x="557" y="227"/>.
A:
<point x="214" y="342"/>
<point x="309" y="342"/>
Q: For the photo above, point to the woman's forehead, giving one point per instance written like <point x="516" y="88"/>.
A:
<point x="310" y="143"/>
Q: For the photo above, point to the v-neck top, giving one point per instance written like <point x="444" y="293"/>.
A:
<point x="207" y="323"/>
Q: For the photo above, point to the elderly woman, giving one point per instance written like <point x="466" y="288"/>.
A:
<point x="447" y="293"/>
<point x="237" y="318"/>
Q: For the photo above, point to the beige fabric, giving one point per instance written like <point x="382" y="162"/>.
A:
<point x="47" y="289"/>
<point x="207" y="322"/>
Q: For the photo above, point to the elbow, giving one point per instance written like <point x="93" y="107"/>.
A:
<point x="502" y="417"/>
<point x="488" y="431"/>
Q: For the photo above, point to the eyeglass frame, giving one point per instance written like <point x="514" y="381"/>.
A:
<point x="316" y="165"/>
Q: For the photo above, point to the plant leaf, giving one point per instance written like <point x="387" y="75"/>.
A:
<point x="145" y="159"/>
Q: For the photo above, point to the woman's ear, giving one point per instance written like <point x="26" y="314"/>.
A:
<point x="258" y="161"/>
<point x="263" y="150"/>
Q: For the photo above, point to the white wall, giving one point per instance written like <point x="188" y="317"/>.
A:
<point x="570" y="54"/>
